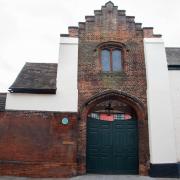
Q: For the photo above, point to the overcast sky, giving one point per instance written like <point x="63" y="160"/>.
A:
<point x="29" y="29"/>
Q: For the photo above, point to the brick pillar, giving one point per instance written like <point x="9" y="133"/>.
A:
<point x="148" y="32"/>
<point x="73" y="31"/>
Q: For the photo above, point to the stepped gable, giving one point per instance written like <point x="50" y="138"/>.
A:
<point x="109" y="19"/>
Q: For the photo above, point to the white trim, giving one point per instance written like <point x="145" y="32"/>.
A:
<point x="160" y="118"/>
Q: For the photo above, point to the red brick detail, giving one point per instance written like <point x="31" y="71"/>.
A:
<point x="73" y="31"/>
<point x="36" y="144"/>
<point x="148" y="33"/>
<point x="112" y="25"/>
<point x="141" y="114"/>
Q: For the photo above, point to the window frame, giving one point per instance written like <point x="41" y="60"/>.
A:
<point x="111" y="46"/>
<point x="110" y="59"/>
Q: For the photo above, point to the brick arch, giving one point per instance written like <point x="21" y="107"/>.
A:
<point x="131" y="101"/>
<point x="111" y="43"/>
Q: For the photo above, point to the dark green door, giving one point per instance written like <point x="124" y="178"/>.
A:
<point x="112" y="147"/>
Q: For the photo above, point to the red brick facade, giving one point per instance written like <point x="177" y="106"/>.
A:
<point x="36" y="144"/>
<point x="112" y="26"/>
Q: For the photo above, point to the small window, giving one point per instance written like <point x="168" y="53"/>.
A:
<point x="111" y="60"/>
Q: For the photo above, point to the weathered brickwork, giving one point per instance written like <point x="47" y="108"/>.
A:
<point x="36" y="144"/>
<point x="112" y="25"/>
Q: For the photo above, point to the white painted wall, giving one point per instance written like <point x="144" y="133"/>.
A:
<point x="174" y="77"/>
<point x="160" y="119"/>
<point x="66" y="97"/>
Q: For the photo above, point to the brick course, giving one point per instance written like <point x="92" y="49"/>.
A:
<point x="112" y="25"/>
<point x="36" y="144"/>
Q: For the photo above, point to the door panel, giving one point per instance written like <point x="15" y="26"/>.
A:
<point x="112" y="147"/>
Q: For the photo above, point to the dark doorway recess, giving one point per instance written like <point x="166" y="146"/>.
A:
<point x="113" y="135"/>
<point x="112" y="147"/>
<point x="112" y="139"/>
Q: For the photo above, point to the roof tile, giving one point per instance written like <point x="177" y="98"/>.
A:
<point x="36" y="78"/>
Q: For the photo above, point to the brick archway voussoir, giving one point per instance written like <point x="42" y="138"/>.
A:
<point x="140" y="110"/>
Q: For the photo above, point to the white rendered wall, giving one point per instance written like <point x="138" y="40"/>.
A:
<point x="174" y="77"/>
<point x="160" y="119"/>
<point x="66" y="97"/>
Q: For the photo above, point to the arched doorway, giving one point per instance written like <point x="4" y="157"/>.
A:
<point x="121" y="104"/>
<point x="112" y="139"/>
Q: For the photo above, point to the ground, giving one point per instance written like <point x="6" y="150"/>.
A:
<point x="91" y="177"/>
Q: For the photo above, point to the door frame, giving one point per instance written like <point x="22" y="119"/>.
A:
<point x="142" y="125"/>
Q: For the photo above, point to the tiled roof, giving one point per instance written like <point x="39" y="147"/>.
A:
<point x="173" y="56"/>
<point x="36" y="78"/>
<point x="2" y="101"/>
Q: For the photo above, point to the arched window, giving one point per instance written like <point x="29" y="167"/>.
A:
<point x="111" y="59"/>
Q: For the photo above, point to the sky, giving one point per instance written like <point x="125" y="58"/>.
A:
<point x="30" y="29"/>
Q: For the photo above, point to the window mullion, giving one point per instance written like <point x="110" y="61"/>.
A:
<point x="111" y="65"/>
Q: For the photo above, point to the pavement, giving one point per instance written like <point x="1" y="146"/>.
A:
<point x="91" y="177"/>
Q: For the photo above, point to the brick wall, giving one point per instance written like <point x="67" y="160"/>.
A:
<point x="112" y="25"/>
<point x="36" y="144"/>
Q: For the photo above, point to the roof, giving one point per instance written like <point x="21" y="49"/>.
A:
<point x="2" y="101"/>
<point x="173" y="58"/>
<point x="36" y="78"/>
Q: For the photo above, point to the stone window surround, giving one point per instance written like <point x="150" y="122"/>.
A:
<point x="112" y="45"/>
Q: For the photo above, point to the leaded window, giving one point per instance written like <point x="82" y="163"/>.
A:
<point x="111" y="60"/>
